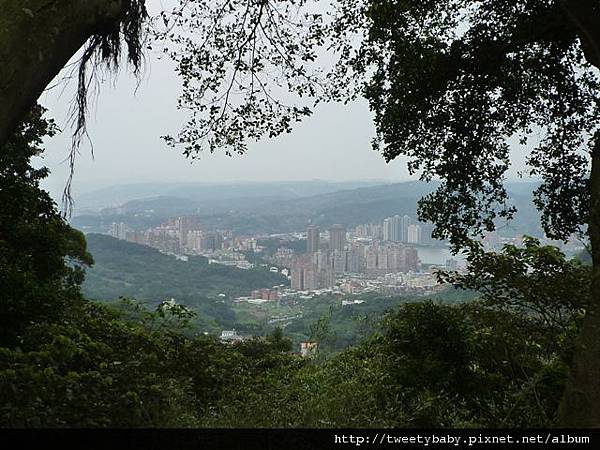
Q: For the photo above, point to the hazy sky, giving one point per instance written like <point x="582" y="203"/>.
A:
<point x="125" y="125"/>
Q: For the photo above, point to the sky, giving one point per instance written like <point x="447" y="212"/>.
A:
<point x="128" y="117"/>
<point x="126" y="121"/>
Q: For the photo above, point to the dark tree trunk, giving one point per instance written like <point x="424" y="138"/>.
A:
<point x="37" y="39"/>
<point x="585" y="15"/>
<point x="580" y="405"/>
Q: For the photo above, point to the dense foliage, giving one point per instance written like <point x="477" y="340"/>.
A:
<point x="66" y="361"/>
<point x="451" y="81"/>
<point x="430" y="366"/>
<point x="36" y="284"/>
<point x="532" y="279"/>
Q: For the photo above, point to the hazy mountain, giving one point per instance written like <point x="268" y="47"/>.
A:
<point x="272" y="213"/>
<point x="115" y="196"/>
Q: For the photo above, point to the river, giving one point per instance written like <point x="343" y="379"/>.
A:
<point x="436" y="255"/>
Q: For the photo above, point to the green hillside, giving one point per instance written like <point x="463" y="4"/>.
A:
<point x="125" y="269"/>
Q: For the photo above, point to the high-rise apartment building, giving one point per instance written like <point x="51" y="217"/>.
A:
<point x="340" y="261"/>
<point x="390" y="258"/>
<point x="308" y="276"/>
<point x="211" y="241"/>
<point x="194" y="240"/>
<point x="119" y="230"/>
<point x="406" y="222"/>
<point x="184" y="225"/>
<point x="313" y="237"/>
<point x="377" y="231"/>
<point x="337" y="238"/>
<point x="414" y="234"/>
<point x="354" y="263"/>
<point x="396" y="235"/>
<point x="388" y="229"/>
<point x="371" y="259"/>
<point x="412" y="258"/>
<point x="297" y="278"/>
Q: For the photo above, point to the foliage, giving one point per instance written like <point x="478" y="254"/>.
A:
<point x="99" y="367"/>
<point x="235" y="57"/>
<point x="92" y="369"/>
<point x="104" y="48"/>
<point x="86" y="364"/>
<point x="65" y="361"/>
<point x="451" y="81"/>
<point x="532" y="279"/>
<point x="432" y="366"/>
<point x="35" y="281"/>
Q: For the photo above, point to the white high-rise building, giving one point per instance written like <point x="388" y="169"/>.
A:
<point x="387" y="229"/>
<point x="119" y="230"/>
<point x="414" y="234"/>
<point x="406" y="222"/>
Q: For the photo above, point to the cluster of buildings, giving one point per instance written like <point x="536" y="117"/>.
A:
<point x="322" y="262"/>
<point x="308" y="349"/>
<point x="414" y="283"/>
<point x="265" y="294"/>
<point x="179" y="235"/>
<point x="403" y="229"/>
<point x="182" y="236"/>
<point x="371" y="251"/>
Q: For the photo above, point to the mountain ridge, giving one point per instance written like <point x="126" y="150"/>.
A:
<point x="272" y="214"/>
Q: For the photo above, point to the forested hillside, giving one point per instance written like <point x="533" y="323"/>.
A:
<point x="131" y="270"/>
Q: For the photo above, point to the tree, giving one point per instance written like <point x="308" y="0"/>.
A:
<point x="67" y="361"/>
<point x="451" y="81"/>
<point x="41" y="256"/>
<point x="38" y="37"/>
<point x="532" y="280"/>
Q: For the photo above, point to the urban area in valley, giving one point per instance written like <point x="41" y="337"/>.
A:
<point x="286" y="279"/>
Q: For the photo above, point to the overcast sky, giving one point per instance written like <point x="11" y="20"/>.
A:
<point x="125" y="128"/>
<point x="125" y="125"/>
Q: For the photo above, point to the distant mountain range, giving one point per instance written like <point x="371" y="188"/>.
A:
<point x="285" y="207"/>
<point x="114" y="196"/>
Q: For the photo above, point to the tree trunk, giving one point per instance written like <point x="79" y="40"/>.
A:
<point x="37" y="39"/>
<point x="585" y="15"/>
<point x="580" y="405"/>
